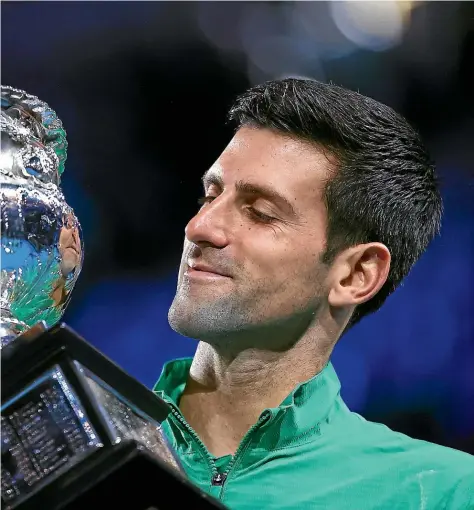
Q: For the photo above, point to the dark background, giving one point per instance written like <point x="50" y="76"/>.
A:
<point x="143" y="89"/>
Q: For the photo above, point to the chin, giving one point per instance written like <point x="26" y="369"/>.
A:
<point x="178" y="321"/>
<point x="196" y="324"/>
<point x="183" y="324"/>
<point x="208" y="317"/>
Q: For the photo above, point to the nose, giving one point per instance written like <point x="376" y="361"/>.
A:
<point x="210" y="225"/>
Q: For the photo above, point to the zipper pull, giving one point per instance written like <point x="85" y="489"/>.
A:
<point x="219" y="479"/>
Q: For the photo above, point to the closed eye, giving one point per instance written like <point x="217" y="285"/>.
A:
<point x="260" y="216"/>
<point x="252" y="212"/>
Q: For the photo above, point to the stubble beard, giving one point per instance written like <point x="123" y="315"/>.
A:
<point x="222" y="315"/>
<point x="207" y="318"/>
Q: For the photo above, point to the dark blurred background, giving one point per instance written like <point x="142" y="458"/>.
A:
<point x="143" y="90"/>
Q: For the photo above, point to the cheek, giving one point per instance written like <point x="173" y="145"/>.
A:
<point x="284" y="260"/>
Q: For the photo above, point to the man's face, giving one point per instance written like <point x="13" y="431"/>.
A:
<point x="69" y="247"/>
<point x="262" y="227"/>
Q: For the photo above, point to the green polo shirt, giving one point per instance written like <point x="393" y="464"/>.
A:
<point x="313" y="452"/>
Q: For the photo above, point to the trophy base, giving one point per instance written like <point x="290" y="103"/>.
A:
<point x="76" y="427"/>
<point x="125" y="476"/>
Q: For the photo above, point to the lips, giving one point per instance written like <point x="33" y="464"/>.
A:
<point x="205" y="268"/>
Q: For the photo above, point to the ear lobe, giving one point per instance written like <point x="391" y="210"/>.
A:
<point x="359" y="273"/>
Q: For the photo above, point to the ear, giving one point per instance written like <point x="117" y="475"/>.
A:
<point x="357" y="274"/>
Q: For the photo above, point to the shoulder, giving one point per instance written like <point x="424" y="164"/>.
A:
<point x="380" y="438"/>
<point x="444" y="473"/>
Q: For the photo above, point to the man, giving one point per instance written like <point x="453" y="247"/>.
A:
<point x="312" y="215"/>
<point x="70" y="251"/>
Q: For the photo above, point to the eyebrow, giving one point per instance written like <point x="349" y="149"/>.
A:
<point x="261" y="190"/>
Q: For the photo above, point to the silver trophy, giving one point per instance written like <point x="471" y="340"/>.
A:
<point x="42" y="248"/>
<point x="67" y="411"/>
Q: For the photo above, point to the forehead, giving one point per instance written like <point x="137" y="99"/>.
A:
<point x="261" y="156"/>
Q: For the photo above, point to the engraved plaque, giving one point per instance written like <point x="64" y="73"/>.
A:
<point x="44" y="431"/>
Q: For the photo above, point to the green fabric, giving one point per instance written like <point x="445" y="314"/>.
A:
<point x="313" y="452"/>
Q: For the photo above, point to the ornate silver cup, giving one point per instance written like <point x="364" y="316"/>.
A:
<point x="73" y="424"/>
<point x="41" y="238"/>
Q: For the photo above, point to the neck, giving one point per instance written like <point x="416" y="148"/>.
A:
<point x="226" y="392"/>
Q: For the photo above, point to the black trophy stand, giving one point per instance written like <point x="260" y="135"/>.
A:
<point x="117" y="474"/>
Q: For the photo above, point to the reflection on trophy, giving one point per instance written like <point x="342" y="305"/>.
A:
<point x="75" y="428"/>
<point x="41" y="238"/>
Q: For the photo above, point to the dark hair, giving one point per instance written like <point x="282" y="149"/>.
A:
<point x="384" y="188"/>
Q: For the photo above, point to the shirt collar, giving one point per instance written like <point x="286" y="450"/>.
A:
<point x="173" y="378"/>
<point x="299" y="415"/>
